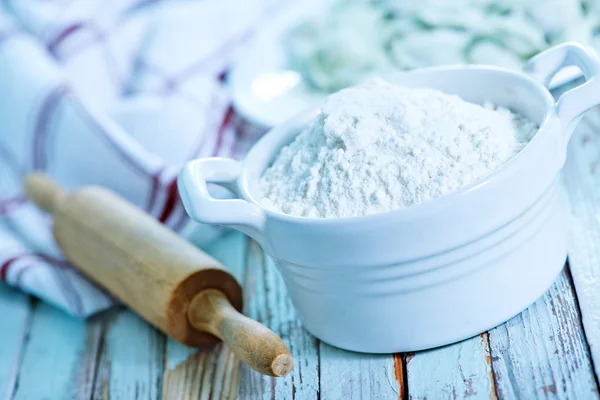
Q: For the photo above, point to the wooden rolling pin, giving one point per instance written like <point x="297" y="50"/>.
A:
<point x="171" y="283"/>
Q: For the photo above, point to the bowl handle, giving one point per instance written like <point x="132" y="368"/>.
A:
<point x="203" y="208"/>
<point x="573" y="103"/>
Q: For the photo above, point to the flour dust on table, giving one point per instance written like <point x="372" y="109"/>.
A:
<point x="379" y="147"/>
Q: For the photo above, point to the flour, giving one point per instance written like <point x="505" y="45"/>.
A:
<point x="380" y="147"/>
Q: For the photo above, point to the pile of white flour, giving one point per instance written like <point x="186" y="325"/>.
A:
<point x="380" y="147"/>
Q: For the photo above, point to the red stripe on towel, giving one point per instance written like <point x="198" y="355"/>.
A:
<point x="42" y="123"/>
<point x="6" y="265"/>
<point x="63" y="35"/>
<point x="224" y="124"/>
<point x="7" y="205"/>
<point x="171" y="202"/>
<point x="154" y="186"/>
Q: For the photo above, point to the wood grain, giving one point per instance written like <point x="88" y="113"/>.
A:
<point x="542" y="353"/>
<point x="253" y="343"/>
<point x="321" y="371"/>
<point x="349" y="375"/>
<point x="207" y="375"/>
<point x="51" y="356"/>
<point x="582" y="181"/>
<point x="267" y="301"/>
<point x="131" y="360"/>
<point x="15" y="322"/>
<point x="89" y="363"/>
<point x="458" y="371"/>
<point x="217" y="368"/>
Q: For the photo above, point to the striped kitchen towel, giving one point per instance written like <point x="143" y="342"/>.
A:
<point x="117" y="93"/>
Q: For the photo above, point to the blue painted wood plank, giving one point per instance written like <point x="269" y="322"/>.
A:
<point x="51" y="356"/>
<point x="177" y="353"/>
<point x="348" y="375"/>
<point x="208" y="373"/>
<point x="542" y="353"/>
<point x="15" y="313"/>
<point x="89" y="366"/>
<point x="458" y="371"/>
<point x="267" y="301"/>
<point x="212" y="374"/>
<point x="231" y="252"/>
<point x="131" y="362"/>
<point x="582" y="181"/>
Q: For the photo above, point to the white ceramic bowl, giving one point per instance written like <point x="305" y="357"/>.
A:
<point x="436" y="272"/>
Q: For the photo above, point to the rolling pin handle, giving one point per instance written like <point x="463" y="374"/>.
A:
<point x="250" y="341"/>
<point x="43" y="191"/>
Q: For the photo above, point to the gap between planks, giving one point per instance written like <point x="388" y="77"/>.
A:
<point x="207" y="373"/>
<point x="17" y="310"/>
<point x="581" y="178"/>
<point x="457" y="371"/>
<point x="505" y="361"/>
<point x="321" y="371"/>
<point x="129" y="359"/>
<point x="540" y="353"/>
<point x="326" y="372"/>
<point x="337" y="373"/>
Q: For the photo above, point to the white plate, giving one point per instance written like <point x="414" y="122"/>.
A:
<point x="266" y="91"/>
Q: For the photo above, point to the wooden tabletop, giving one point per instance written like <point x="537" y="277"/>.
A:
<point x="548" y="351"/>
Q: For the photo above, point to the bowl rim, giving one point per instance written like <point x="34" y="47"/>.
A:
<point x="290" y="129"/>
